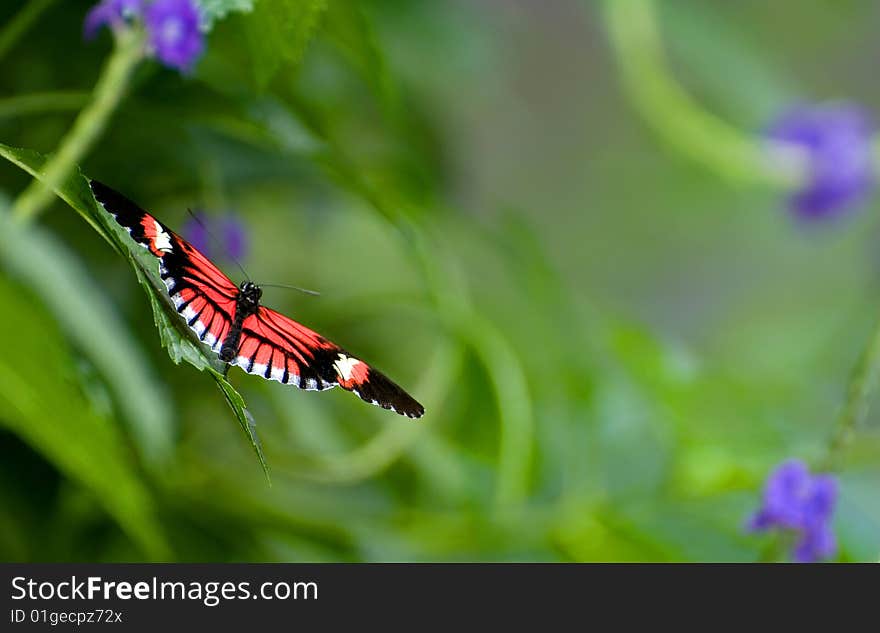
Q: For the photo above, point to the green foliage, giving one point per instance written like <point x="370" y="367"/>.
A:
<point x="39" y="401"/>
<point x="179" y="340"/>
<point x="613" y="346"/>
<point x="82" y="311"/>
<point x="277" y="34"/>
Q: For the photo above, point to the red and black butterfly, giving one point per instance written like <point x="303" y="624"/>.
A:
<point x="231" y="321"/>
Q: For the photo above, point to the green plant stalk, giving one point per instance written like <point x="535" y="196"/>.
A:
<point x="394" y="439"/>
<point x="861" y="384"/>
<point x="677" y="118"/>
<point x="503" y="367"/>
<point x="89" y="125"/>
<point x="21" y="22"/>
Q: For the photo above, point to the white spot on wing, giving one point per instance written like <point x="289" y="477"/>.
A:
<point x="162" y="241"/>
<point x="344" y="365"/>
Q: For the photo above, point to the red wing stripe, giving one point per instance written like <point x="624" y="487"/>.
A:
<point x="301" y="334"/>
<point x="296" y="349"/>
<point x="193" y="278"/>
<point x="299" y="349"/>
<point x="204" y="271"/>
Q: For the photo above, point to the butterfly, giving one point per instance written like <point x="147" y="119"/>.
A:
<point x="230" y="320"/>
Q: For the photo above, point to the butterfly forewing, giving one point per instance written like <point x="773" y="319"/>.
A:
<point x="201" y="293"/>
<point x="318" y="363"/>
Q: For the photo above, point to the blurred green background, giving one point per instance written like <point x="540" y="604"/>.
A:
<point x="614" y="344"/>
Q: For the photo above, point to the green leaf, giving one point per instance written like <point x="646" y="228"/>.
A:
<point x="179" y="340"/>
<point x="245" y="419"/>
<point x="278" y="32"/>
<point x="40" y="402"/>
<point x="47" y="267"/>
<point x="213" y="10"/>
<point x="350" y="29"/>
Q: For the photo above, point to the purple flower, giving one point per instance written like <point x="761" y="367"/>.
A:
<point x="195" y="230"/>
<point x="174" y="34"/>
<point x="234" y="237"/>
<point x="796" y="501"/>
<point x="223" y="237"/>
<point x="839" y="162"/>
<point x="110" y="12"/>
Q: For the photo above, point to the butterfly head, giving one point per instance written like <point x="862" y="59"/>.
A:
<point x="250" y="293"/>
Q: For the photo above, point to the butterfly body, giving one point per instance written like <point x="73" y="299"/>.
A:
<point x="233" y="323"/>
<point x="247" y="303"/>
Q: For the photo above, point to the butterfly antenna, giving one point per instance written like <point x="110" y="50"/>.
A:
<point x="305" y="291"/>
<point x="217" y="242"/>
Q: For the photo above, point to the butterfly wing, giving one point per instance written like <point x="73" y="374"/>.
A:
<point x="271" y="345"/>
<point x="201" y="293"/>
<point x="278" y="348"/>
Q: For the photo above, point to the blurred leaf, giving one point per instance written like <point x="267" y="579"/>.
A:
<point x="750" y="88"/>
<point x="278" y="32"/>
<point x="213" y="10"/>
<point x="40" y="403"/>
<point x="21" y="22"/>
<point x="179" y="340"/>
<point x="74" y="191"/>
<point x="42" y="102"/>
<point x="349" y="28"/>
<point x="66" y="288"/>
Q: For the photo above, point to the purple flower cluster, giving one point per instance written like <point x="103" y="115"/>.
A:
<point x="218" y="237"/>
<point x="115" y="13"/>
<point x="839" y="160"/>
<point x="796" y="501"/>
<point x="173" y="32"/>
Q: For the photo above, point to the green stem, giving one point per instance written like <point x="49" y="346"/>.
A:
<point x="88" y="126"/>
<point x="21" y="22"/>
<point x="679" y="119"/>
<point x="394" y="439"/>
<point x="502" y="366"/>
<point x="861" y="384"/>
